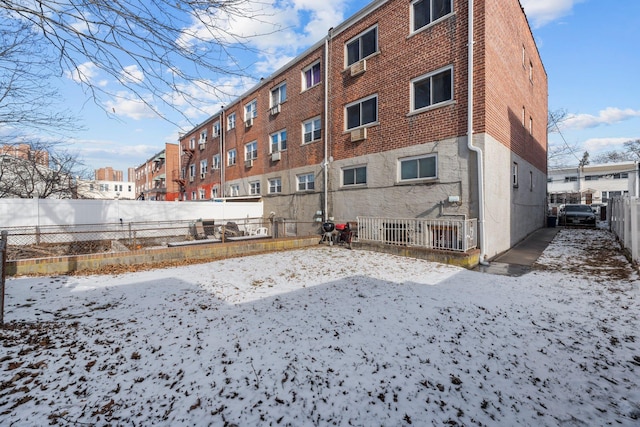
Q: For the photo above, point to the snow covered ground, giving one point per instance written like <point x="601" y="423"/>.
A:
<point x="328" y="336"/>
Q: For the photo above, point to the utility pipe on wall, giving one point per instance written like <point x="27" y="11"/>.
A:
<point x="477" y="150"/>
<point x="325" y="162"/>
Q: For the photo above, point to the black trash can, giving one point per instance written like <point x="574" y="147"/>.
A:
<point x="552" y="221"/>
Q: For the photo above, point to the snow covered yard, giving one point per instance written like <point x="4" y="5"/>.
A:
<point x="327" y="336"/>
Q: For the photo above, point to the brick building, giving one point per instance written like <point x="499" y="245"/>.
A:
<point x="374" y="121"/>
<point x="154" y="178"/>
<point x="108" y="174"/>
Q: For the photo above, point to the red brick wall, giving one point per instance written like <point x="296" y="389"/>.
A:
<point x="508" y="86"/>
<point x="401" y="58"/>
<point x="501" y="88"/>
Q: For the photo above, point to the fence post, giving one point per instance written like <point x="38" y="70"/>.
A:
<point x="3" y="271"/>
<point x="633" y="219"/>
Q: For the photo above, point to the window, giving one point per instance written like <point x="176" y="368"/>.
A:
<point x="251" y="110"/>
<point x="278" y="95"/>
<point x="216" y="129"/>
<point x="192" y="143"/>
<point x="202" y="195"/>
<point x="203" y="137"/>
<point x="192" y="171"/>
<point x="570" y="179"/>
<point x="531" y="71"/>
<point x="514" y="174"/>
<point x="214" y="192"/>
<point x="251" y="150"/>
<point x="215" y="162"/>
<point x="432" y="89"/>
<point x="305" y="182"/>
<point x="203" y="167"/>
<point x="231" y="121"/>
<point x="424" y="12"/>
<point x="234" y="190"/>
<point x="524" y="56"/>
<point x="311" y="75"/>
<point x="193" y="195"/>
<point x="523" y="116"/>
<point x="422" y="167"/>
<point x="231" y="157"/>
<point x="362" y="112"/>
<point x="362" y="46"/>
<point x="279" y="141"/>
<point x="312" y="130"/>
<point x="354" y="176"/>
<point x="254" y="188"/>
<point x="530" y="181"/>
<point x="531" y="125"/>
<point x="275" y="185"/>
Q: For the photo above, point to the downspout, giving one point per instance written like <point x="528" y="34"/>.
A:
<point x="477" y="150"/>
<point x="222" y="162"/>
<point x="325" y="162"/>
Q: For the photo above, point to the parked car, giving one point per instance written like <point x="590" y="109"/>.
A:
<point x="577" y="215"/>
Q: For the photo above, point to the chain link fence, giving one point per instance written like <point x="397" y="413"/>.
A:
<point x="64" y="240"/>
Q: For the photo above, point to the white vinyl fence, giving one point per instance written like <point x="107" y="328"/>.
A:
<point x="624" y="220"/>
<point x="449" y="234"/>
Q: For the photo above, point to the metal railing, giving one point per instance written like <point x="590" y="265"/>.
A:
<point x="624" y="221"/>
<point x="443" y="234"/>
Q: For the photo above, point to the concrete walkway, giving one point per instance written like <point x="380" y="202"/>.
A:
<point x="519" y="259"/>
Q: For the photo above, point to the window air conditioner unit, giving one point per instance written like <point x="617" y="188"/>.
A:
<point x="275" y="110"/>
<point x="191" y="178"/>
<point x="275" y="156"/>
<point x="248" y="163"/>
<point x="249" y="122"/>
<point x="358" y="67"/>
<point x="201" y="146"/>
<point x="358" y="134"/>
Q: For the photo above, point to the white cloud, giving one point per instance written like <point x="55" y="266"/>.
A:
<point x="595" y="145"/>
<point x="277" y="29"/>
<point x="84" y="73"/>
<point x="607" y="116"/>
<point x="542" y="12"/>
<point x="132" y="74"/>
<point x="127" y="105"/>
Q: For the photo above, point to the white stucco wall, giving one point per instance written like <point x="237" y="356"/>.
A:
<point x="511" y="213"/>
<point x="42" y="212"/>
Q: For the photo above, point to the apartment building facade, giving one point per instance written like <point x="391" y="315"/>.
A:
<point x="375" y="121"/>
<point x="154" y="179"/>
<point x="593" y="184"/>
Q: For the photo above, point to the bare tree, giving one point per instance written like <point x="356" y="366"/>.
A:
<point x="37" y="171"/>
<point x="614" y="157"/>
<point x="27" y="100"/>
<point x="632" y="148"/>
<point x="556" y="154"/>
<point x="154" y="49"/>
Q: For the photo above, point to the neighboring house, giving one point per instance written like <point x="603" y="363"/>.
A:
<point x="374" y="120"/>
<point x="156" y="178"/>
<point x="105" y="190"/>
<point x="592" y="184"/>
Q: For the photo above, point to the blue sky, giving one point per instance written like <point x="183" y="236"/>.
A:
<point x="590" y="50"/>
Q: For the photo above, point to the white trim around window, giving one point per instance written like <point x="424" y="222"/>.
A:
<point x="361" y="46"/>
<point x="363" y="112"/>
<point x="425" y="13"/>
<point x="418" y="168"/>
<point x="311" y="75"/>
<point x="354" y="176"/>
<point x="311" y="130"/>
<point x="305" y="182"/>
<point x="278" y="94"/>
<point x="432" y="90"/>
